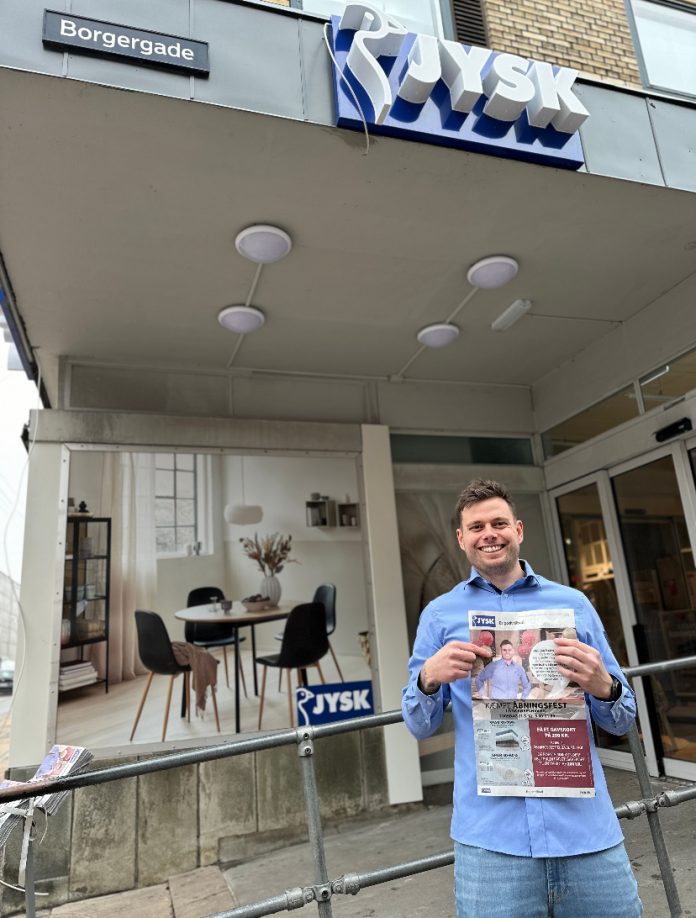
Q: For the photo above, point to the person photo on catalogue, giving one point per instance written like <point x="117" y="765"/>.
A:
<point x="529" y="841"/>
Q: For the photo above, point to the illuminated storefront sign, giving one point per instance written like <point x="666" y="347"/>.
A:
<point x="437" y="91"/>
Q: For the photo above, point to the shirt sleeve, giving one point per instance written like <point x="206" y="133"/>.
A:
<point x="423" y="713"/>
<point x="485" y="674"/>
<point x="613" y="716"/>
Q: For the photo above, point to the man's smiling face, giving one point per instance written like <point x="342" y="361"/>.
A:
<point x="490" y="537"/>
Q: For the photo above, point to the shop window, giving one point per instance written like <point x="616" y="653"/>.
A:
<point x="669" y="381"/>
<point x="176" y="504"/>
<point x="666" y="44"/>
<point x="609" y="413"/>
<point x="416" y="448"/>
<point x="415" y="15"/>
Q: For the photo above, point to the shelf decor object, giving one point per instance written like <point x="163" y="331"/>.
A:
<point x="86" y="593"/>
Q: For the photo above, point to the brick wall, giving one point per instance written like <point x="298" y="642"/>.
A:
<point x="590" y="35"/>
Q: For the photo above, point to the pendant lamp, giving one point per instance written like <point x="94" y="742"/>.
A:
<point x="243" y="514"/>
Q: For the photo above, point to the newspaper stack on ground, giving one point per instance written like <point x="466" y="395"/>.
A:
<point x="530" y="722"/>
<point x="60" y="762"/>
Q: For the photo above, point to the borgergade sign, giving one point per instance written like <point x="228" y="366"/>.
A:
<point x="434" y="90"/>
<point x="66" y="32"/>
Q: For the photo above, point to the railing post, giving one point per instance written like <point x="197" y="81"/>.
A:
<point x="322" y="889"/>
<point x="653" y="815"/>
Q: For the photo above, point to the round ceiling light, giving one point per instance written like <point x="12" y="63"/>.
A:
<point x="263" y="244"/>
<point x="241" y="319"/>
<point x="492" y="272"/>
<point x="438" y="335"/>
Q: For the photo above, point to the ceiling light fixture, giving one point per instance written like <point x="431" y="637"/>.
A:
<point x="655" y="375"/>
<point x="438" y="335"/>
<point x="511" y="315"/>
<point x="241" y="319"/>
<point x="492" y="272"/>
<point x="263" y="244"/>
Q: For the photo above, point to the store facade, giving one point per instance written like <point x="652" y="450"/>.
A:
<point x="169" y="131"/>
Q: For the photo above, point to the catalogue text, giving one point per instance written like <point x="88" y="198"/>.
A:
<point x="530" y="721"/>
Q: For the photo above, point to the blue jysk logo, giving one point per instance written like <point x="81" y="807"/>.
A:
<point x="321" y="704"/>
<point x="483" y="621"/>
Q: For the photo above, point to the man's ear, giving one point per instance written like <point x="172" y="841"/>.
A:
<point x="459" y="539"/>
<point x="520" y="531"/>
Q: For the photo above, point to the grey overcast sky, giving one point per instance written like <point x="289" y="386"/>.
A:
<point x="17" y="397"/>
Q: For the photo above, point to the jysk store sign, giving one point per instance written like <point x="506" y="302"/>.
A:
<point x="437" y="91"/>
<point x="325" y="704"/>
<point x="106" y="39"/>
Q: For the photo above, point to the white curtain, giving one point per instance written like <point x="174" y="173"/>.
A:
<point x="128" y="497"/>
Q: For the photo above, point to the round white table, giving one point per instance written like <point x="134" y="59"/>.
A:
<point x="236" y="618"/>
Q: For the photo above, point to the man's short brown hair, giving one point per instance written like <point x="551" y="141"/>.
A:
<point x="482" y="489"/>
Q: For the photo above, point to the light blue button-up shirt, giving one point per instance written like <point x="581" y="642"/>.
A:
<point x="527" y="826"/>
<point x="505" y="678"/>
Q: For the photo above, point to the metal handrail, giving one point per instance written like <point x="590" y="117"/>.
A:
<point x="323" y="889"/>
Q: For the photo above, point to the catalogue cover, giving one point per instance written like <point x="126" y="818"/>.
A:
<point x="530" y="722"/>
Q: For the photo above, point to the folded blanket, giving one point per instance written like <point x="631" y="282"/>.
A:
<point x="203" y="670"/>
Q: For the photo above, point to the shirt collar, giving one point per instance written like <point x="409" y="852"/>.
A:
<point x="529" y="578"/>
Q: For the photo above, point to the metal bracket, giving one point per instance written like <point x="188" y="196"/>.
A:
<point x="635" y="808"/>
<point x="349" y="884"/>
<point x="298" y="897"/>
<point x="305" y="742"/>
<point x="323" y="892"/>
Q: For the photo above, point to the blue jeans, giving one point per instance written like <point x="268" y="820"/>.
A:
<point x="492" y="885"/>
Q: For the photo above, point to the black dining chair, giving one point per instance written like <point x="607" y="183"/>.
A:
<point x="212" y="634"/>
<point x="304" y="644"/>
<point x="326" y="595"/>
<point x="155" y="649"/>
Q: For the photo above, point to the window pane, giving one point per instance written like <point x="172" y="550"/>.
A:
<point x="461" y="450"/>
<point x="165" y="541"/>
<point x="164" y="483"/>
<point x="590" y="423"/>
<point x="663" y="582"/>
<point x="164" y="460"/>
<point x="185" y="461"/>
<point x="185" y="535"/>
<point x="185" y="512"/>
<point x="590" y="570"/>
<point x="667" y="39"/>
<point x="185" y="484"/>
<point x="669" y="381"/>
<point x="414" y="15"/>
<point x="164" y="511"/>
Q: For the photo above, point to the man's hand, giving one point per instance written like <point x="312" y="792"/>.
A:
<point x="583" y="664"/>
<point x="451" y="662"/>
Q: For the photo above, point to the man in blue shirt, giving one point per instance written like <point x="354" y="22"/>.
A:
<point x="520" y="857"/>
<point x="504" y="675"/>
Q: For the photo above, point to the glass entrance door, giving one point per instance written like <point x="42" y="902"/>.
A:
<point x="591" y="570"/>
<point x="660" y="567"/>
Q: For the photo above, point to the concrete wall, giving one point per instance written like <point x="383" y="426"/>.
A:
<point x="140" y="831"/>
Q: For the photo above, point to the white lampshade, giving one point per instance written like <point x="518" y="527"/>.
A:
<point x="438" y="335"/>
<point x="494" y="271"/>
<point x="263" y="244"/>
<point x="243" y="514"/>
<point x="241" y="319"/>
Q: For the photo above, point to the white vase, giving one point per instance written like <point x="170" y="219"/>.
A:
<point x="270" y="586"/>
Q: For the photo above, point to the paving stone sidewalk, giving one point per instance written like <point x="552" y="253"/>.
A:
<point x="195" y="894"/>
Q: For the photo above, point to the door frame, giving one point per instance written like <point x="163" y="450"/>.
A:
<point x="627" y="615"/>
<point x="686" y="486"/>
